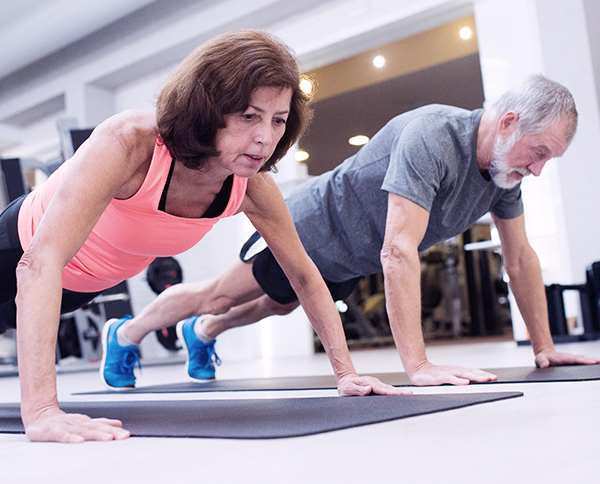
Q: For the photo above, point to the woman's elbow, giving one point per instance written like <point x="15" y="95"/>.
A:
<point x="24" y="269"/>
<point x="33" y="268"/>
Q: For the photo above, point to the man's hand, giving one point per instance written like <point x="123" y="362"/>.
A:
<point x="353" y="384"/>
<point x="547" y="358"/>
<point x="429" y="374"/>
<point x="73" y="428"/>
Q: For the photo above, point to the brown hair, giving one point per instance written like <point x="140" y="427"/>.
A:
<point x="217" y="79"/>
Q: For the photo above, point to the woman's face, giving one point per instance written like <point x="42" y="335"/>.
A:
<point x="250" y="137"/>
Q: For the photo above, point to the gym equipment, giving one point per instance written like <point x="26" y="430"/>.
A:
<point x="13" y="178"/>
<point x="321" y="382"/>
<point x="589" y="298"/>
<point x="593" y="289"/>
<point x="260" y="418"/>
<point x="489" y="308"/>
<point x="162" y="273"/>
<point x="79" y="331"/>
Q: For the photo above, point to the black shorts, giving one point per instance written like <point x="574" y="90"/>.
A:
<point x="10" y="255"/>
<point x="272" y="279"/>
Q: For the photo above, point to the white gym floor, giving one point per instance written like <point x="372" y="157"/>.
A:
<point x="550" y="435"/>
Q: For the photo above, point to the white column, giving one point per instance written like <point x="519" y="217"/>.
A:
<point x="522" y="37"/>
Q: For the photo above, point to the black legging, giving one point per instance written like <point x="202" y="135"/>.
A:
<point x="10" y="254"/>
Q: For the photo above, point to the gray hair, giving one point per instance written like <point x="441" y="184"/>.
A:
<point x="539" y="102"/>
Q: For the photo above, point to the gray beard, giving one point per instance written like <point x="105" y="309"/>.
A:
<point x="499" y="170"/>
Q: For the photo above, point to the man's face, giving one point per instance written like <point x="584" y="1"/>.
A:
<point x="516" y="158"/>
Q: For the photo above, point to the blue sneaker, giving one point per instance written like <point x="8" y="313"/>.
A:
<point x="118" y="361"/>
<point x="201" y="357"/>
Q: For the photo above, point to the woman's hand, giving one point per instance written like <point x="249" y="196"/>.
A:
<point x="352" y="384"/>
<point x="54" y="425"/>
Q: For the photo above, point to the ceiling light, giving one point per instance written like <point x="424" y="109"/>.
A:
<point x="359" y="140"/>
<point x="465" y="32"/>
<point x="306" y="85"/>
<point x="301" y="156"/>
<point x="378" y="61"/>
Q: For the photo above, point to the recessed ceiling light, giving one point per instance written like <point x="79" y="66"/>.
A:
<point x="306" y="85"/>
<point x="465" y="33"/>
<point x="359" y="140"/>
<point x="379" y="61"/>
<point x="301" y="156"/>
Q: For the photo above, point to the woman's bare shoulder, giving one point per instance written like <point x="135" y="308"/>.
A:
<point x="134" y="130"/>
<point x="260" y="191"/>
<point x="132" y="123"/>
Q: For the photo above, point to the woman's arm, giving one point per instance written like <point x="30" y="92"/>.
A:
<point x="266" y="209"/>
<point x="112" y="163"/>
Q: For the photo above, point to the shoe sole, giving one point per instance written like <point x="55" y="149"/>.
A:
<point x="105" y="329"/>
<point x="179" y="330"/>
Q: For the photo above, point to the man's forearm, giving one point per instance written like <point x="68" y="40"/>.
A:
<point x="403" y="300"/>
<point x="528" y="288"/>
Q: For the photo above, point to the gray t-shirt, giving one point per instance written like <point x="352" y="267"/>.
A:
<point x="427" y="156"/>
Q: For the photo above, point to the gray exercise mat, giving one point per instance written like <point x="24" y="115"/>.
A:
<point x="505" y="375"/>
<point x="259" y="418"/>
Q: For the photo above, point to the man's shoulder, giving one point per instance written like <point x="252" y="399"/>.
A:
<point x="432" y="123"/>
<point x="431" y="117"/>
<point x="440" y="113"/>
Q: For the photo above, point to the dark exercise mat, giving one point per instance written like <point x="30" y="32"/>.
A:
<point x="259" y="418"/>
<point x="523" y="374"/>
<point x="321" y="382"/>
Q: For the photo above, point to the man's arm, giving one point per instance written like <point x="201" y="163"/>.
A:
<point x="523" y="268"/>
<point x="265" y="207"/>
<point x="405" y="228"/>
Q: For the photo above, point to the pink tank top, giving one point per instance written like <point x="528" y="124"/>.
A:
<point x="130" y="233"/>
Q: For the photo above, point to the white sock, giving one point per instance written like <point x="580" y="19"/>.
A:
<point x="202" y="336"/>
<point x="122" y="339"/>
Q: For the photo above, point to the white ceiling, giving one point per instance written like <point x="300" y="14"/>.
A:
<point x="33" y="29"/>
<point x="53" y="50"/>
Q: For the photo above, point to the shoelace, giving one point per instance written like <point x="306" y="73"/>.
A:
<point x="130" y="359"/>
<point x="212" y="356"/>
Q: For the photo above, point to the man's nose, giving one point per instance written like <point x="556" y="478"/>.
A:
<point x="536" y="167"/>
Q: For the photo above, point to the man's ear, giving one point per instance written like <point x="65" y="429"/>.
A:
<point x="508" y="123"/>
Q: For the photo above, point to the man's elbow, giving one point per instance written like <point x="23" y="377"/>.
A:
<point x="524" y="261"/>
<point x="394" y="256"/>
